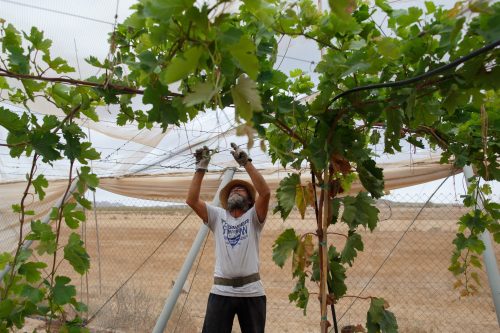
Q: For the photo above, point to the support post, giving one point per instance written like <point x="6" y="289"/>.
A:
<point x="489" y="257"/>
<point x="45" y="220"/>
<point x="161" y="323"/>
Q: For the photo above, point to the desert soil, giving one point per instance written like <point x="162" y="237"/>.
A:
<point x="412" y="275"/>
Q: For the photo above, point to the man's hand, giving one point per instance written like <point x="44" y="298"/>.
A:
<point x="239" y="155"/>
<point x="202" y="156"/>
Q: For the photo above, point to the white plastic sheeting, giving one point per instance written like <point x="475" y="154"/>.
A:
<point x="172" y="187"/>
<point x="161" y="162"/>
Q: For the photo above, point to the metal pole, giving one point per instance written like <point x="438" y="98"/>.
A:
<point x="161" y="323"/>
<point x="45" y="220"/>
<point x="98" y="243"/>
<point x="489" y="257"/>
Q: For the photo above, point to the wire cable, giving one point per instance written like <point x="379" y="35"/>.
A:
<point x="417" y="78"/>
<point x="137" y="269"/>
<point x="286" y="51"/>
<point x="57" y="11"/>
<point x="297" y="59"/>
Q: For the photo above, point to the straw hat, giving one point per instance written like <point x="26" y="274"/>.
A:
<point x="224" y="193"/>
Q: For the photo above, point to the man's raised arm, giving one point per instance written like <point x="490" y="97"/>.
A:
<point x="262" y="201"/>
<point x="199" y="206"/>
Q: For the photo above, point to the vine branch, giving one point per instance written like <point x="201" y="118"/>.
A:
<point x="21" y="224"/>
<point x="417" y="78"/>
<point x="284" y="128"/>
<point x="338" y="234"/>
<point x="118" y="88"/>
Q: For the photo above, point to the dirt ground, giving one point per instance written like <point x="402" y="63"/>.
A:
<point x="140" y="252"/>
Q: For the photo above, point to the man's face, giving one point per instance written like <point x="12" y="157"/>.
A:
<point x="238" y="199"/>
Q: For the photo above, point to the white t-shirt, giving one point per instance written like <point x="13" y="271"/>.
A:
<point x="236" y="249"/>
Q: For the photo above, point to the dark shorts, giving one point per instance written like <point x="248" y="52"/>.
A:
<point x="251" y="312"/>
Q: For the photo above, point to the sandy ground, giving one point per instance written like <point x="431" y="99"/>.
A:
<point x="413" y="277"/>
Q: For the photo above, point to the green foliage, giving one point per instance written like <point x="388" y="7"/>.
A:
<point x="62" y="292"/>
<point x="360" y="210"/>
<point x="303" y="198"/>
<point x="39" y="184"/>
<point x="30" y="270"/>
<point x="300" y="294"/>
<point x="44" y="235"/>
<point x="5" y="258"/>
<point x="203" y="92"/>
<point x="30" y="287"/>
<point x="371" y="177"/>
<point x="468" y="243"/>
<point x="353" y="244"/>
<point x="217" y="59"/>
<point x="73" y="217"/>
<point x="286" y="195"/>
<point x="181" y="66"/>
<point x="87" y="179"/>
<point x="76" y="255"/>
<point x="300" y="83"/>
<point x="379" y="319"/>
<point x="244" y="56"/>
<point x="246" y="97"/>
<point x="11" y="121"/>
<point x="336" y="274"/>
<point x="284" y="245"/>
<point x="302" y="255"/>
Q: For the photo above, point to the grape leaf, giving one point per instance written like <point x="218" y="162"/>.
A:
<point x="336" y="274"/>
<point x="379" y="319"/>
<point x="73" y="217"/>
<point x="35" y="295"/>
<point x="39" y="183"/>
<point x="389" y="48"/>
<point x="44" y="234"/>
<point x="284" y="245"/>
<point x="164" y="10"/>
<point x="372" y="177"/>
<point x="30" y="270"/>
<point x="3" y="83"/>
<point x="246" y="97"/>
<point x="360" y="210"/>
<point x="85" y="178"/>
<point x="393" y="132"/>
<point x="244" y="54"/>
<point x="6" y="307"/>
<point x="286" y="195"/>
<point x="5" y="258"/>
<point x="45" y="144"/>
<point x="36" y="38"/>
<point x="202" y="93"/>
<point x="430" y="6"/>
<point x="58" y="64"/>
<point x="181" y="66"/>
<point x="76" y="255"/>
<point x="62" y="293"/>
<point x="302" y="199"/>
<point x="352" y="245"/>
<point x="10" y="120"/>
<point x="300" y="294"/>
<point x="84" y="202"/>
<point x="302" y="254"/>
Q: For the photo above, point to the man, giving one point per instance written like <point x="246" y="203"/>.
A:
<point x="237" y="289"/>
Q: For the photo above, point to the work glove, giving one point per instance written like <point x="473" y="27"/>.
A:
<point x="239" y="155"/>
<point x="202" y="156"/>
